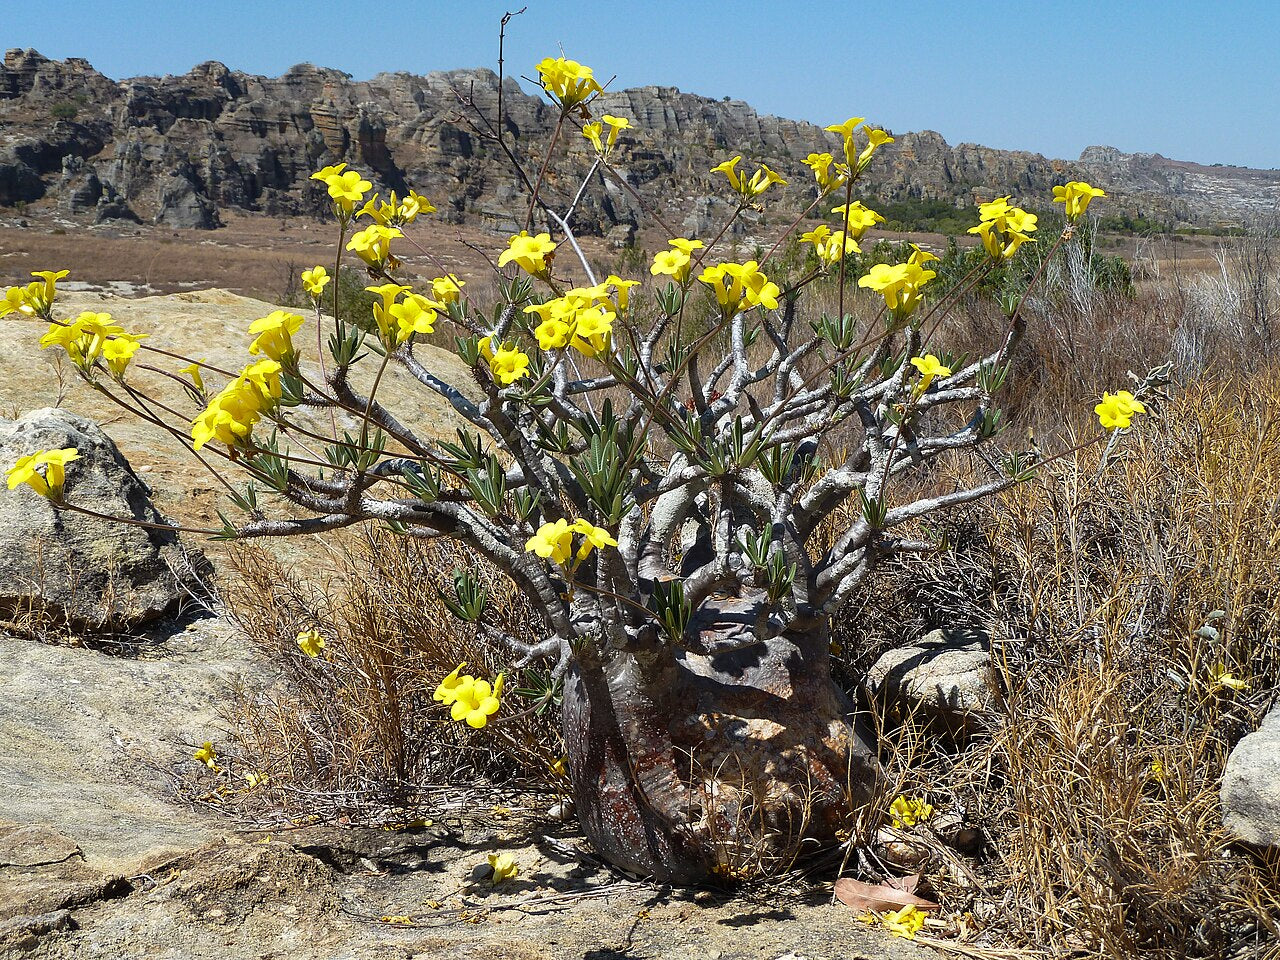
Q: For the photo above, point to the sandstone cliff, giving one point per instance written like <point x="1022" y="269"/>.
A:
<point x="177" y="150"/>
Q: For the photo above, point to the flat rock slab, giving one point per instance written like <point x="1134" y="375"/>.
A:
<point x="87" y="741"/>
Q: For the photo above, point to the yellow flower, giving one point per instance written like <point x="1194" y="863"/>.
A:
<point x="623" y="287"/>
<point x="373" y="244"/>
<point x="274" y="334"/>
<point x="552" y="334"/>
<point x="900" y="285"/>
<point x="447" y="289"/>
<point x="1220" y="678"/>
<point x="685" y="245"/>
<point x="40" y="296"/>
<point x="567" y="81"/>
<point x="476" y="702"/>
<point x="448" y="689"/>
<point x="920" y="257"/>
<point x="54" y="462"/>
<point x="412" y="206"/>
<point x="592" y="132"/>
<point x="846" y="134"/>
<point x="324" y="174"/>
<point x="1075" y="195"/>
<point x="1158" y="771"/>
<point x="255" y="779"/>
<point x="530" y="254"/>
<point x="592" y="537"/>
<point x="82" y="338"/>
<point x="1116" y="410"/>
<point x="1004" y="228"/>
<point x="207" y="755"/>
<point x="875" y="140"/>
<point x="15" y="301"/>
<point x="673" y="263"/>
<point x="858" y="219"/>
<point x="908" y="812"/>
<point x="119" y="350"/>
<point x="315" y="280"/>
<point x="346" y="189"/>
<point x="415" y="314"/>
<point x="760" y="181"/>
<point x="592" y="330"/>
<point x="553" y="541"/>
<point x="830" y="247"/>
<point x="929" y="367"/>
<point x="193" y="371"/>
<point x="616" y="126"/>
<point x="560" y="768"/>
<point x="231" y="415"/>
<point x="504" y="867"/>
<point x="828" y="174"/>
<point x="310" y="642"/>
<point x="509" y="364"/>
<point x="904" y="922"/>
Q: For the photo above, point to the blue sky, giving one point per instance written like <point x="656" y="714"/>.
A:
<point x="1192" y="80"/>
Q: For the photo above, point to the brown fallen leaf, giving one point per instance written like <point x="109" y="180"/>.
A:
<point x="879" y="896"/>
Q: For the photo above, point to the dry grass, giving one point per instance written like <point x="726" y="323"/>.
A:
<point x="356" y="729"/>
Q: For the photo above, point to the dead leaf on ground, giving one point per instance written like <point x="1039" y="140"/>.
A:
<point x="881" y="896"/>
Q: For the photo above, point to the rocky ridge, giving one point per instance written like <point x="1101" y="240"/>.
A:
<point x="177" y="150"/>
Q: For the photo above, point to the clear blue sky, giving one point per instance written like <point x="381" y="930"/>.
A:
<point x="1192" y="80"/>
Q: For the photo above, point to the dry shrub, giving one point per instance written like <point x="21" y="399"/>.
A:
<point x="357" y="729"/>
<point x="1097" y="781"/>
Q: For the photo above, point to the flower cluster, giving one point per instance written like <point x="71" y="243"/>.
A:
<point x="36" y="298"/>
<point x="275" y="335"/>
<point x="48" y="485"/>
<point x="567" y="81"/>
<point x="1117" y="409"/>
<point x="740" y="286"/>
<point x="760" y="181"/>
<point x="856" y="160"/>
<point x="373" y="246"/>
<point x="397" y="212"/>
<point x="531" y="254"/>
<point x="398" y="320"/>
<point x="1075" y="197"/>
<point x="593" y="131"/>
<point x="554" y="541"/>
<point x="829" y="174"/>
<point x="1004" y="228"/>
<point x="677" y="261"/>
<point x="90" y="336"/>
<point x="582" y="317"/>
<point x="900" y="284"/>
<point x="470" y="700"/>
<point x="231" y="415"/>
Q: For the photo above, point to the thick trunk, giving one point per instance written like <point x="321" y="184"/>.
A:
<point x="689" y="765"/>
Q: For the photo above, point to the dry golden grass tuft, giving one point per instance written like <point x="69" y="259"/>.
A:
<point x="1116" y="594"/>
<point x="356" y="729"/>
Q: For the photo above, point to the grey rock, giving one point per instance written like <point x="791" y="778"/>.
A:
<point x="88" y="572"/>
<point x="184" y="204"/>
<point x="23" y="933"/>
<point x="946" y="676"/>
<point x="1251" y="785"/>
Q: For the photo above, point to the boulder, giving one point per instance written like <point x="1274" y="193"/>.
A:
<point x="1251" y="785"/>
<point x="946" y="676"/>
<point x="81" y="570"/>
<point x="183" y="204"/>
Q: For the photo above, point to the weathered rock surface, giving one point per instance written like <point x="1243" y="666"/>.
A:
<point x="177" y="149"/>
<point x="945" y="676"/>
<point x="90" y="572"/>
<point x="1251" y="785"/>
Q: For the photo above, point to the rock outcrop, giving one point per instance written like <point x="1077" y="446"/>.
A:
<point x="1251" y="785"/>
<point x="176" y="150"/>
<point x="90" y="573"/>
